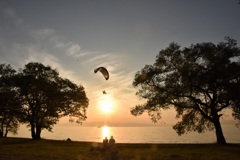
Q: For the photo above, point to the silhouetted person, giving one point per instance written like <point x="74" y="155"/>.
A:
<point x="111" y="142"/>
<point x="105" y="148"/>
<point x="112" y="149"/>
<point x="105" y="143"/>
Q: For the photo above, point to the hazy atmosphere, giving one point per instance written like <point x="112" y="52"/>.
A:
<point x="77" y="36"/>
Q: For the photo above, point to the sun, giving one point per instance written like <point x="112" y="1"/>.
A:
<point x="106" y="105"/>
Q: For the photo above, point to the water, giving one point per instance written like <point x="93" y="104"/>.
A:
<point x="162" y="134"/>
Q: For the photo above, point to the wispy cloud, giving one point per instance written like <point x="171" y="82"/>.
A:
<point x="35" y="45"/>
<point x="37" y="55"/>
<point x="42" y="34"/>
<point x="74" y="50"/>
<point x="47" y="46"/>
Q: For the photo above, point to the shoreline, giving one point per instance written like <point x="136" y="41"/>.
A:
<point x="132" y="134"/>
<point x="91" y="142"/>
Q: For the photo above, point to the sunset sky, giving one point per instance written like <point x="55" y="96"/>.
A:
<point x="77" y="36"/>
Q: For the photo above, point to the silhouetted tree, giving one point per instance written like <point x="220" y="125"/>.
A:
<point x="8" y="101"/>
<point x="200" y="82"/>
<point x="46" y="97"/>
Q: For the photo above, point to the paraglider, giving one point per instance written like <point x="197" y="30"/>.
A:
<point x="104" y="72"/>
<point x="104" y="92"/>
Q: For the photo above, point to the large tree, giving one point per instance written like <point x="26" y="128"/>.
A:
<point x="8" y="101"/>
<point x="46" y="97"/>
<point x="199" y="82"/>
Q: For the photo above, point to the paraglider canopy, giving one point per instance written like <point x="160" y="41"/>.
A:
<point x="104" y="72"/>
<point x="104" y="92"/>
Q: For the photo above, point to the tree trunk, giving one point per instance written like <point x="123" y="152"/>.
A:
<point x="5" y="135"/>
<point x="38" y="131"/>
<point x="33" y="130"/>
<point x="1" y="130"/>
<point x="219" y="132"/>
<point x="1" y="133"/>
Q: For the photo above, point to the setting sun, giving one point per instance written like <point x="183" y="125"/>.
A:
<point x="106" y="105"/>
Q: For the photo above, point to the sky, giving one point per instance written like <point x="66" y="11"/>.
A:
<point x="77" y="36"/>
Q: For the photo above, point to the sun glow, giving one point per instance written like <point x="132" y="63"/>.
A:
<point x="106" y="104"/>
<point x="105" y="132"/>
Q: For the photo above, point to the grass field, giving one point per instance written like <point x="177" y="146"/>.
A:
<point x="27" y="149"/>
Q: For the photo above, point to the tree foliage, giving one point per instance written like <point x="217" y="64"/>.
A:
<point x="199" y="82"/>
<point x="45" y="97"/>
<point x="8" y="101"/>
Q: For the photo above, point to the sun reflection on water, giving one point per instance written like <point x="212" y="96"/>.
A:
<point x="106" y="131"/>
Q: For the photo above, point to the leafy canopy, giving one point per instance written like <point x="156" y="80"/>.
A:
<point x="199" y="82"/>
<point x="8" y="101"/>
<point x="46" y="97"/>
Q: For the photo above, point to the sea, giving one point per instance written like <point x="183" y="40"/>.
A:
<point x="149" y="134"/>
